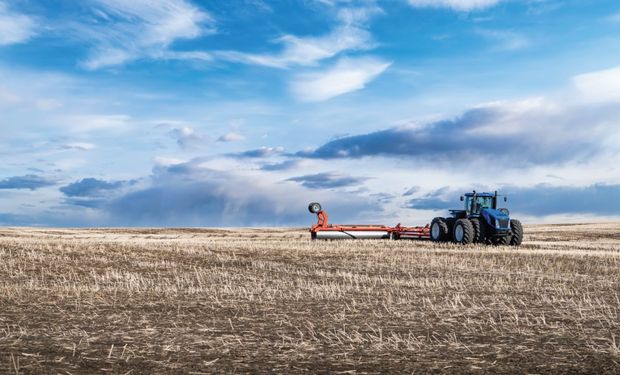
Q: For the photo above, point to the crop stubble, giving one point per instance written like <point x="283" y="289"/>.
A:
<point x="249" y="300"/>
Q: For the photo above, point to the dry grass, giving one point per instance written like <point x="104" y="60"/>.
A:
<point x="211" y="301"/>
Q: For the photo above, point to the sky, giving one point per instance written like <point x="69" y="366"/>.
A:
<point x="174" y="113"/>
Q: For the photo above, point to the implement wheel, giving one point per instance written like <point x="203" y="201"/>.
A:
<point x="463" y="232"/>
<point x="314" y="208"/>
<point x="517" y="233"/>
<point x="439" y="230"/>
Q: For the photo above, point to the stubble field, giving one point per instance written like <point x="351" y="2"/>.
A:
<point x="141" y="301"/>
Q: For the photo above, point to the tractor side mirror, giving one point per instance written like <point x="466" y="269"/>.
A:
<point x="462" y="199"/>
<point x="505" y="199"/>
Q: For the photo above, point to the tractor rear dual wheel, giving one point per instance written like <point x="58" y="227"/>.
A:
<point x="463" y="232"/>
<point x="450" y="223"/>
<point x="439" y="230"/>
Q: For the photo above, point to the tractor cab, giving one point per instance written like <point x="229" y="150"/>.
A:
<point x="475" y="202"/>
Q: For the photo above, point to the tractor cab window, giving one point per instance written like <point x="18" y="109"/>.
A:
<point x="481" y="202"/>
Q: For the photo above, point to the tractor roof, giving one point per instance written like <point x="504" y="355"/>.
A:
<point x="480" y="194"/>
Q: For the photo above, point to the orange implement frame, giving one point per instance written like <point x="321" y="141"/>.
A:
<point x="322" y="229"/>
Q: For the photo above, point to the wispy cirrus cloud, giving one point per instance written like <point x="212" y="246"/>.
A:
<point x="129" y="30"/>
<point x="80" y="146"/>
<point x="15" y="27"/>
<point x="457" y="5"/>
<point x="614" y="18"/>
<point x="96" y="122"/>
<point x="505" y="40"/>
<point x="347" y="75"/>
<point x="351" y="34"/>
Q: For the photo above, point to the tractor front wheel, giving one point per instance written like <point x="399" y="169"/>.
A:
<point x="480" y="234"/>
<point x="501" y="240"/>
<point x="517" y="233"/>
<point x="439" y="230"/>
<point x="463" y="232"/>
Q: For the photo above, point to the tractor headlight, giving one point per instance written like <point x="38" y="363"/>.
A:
<point x="496" y="223"/>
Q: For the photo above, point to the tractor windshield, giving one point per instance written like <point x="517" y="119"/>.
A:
<point x="482" y="202"/>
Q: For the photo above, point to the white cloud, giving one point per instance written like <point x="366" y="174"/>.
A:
<point x="602" y="85"/>
<point x="9" y="97"/>
<point x="349" y="35"/>
<point x="15" y="27"/>
<point x="614" y="18"/>
<point x="346" y="76"/>
<point x="47" y="104"/>
<point x="129" y="30"/>
<point x="458" y="5"/>
<point x="507" y="40"/>
<point x="187" y="137"/>
<point x="231" y="137"/>
<point x="87" y="123"/>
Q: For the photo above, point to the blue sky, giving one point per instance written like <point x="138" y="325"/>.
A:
<point x="224" y="113"/>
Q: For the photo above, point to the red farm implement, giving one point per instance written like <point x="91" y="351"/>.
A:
<point x="323" y="230"/>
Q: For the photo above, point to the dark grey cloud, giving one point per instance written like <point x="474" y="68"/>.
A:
<point x="383" y="198"/>
<point x="29" y="181"/>
<point x="539" y="200"/>
<point x="598" y="199"/>
<point x="282" y="166"/>
<point x="411" y="191"/>
<point x="263" y="152"/>
<point x="327" y="180"/>
<point x="188" y="194"/>
<point x="89" y="187"/>
<point x="79" y="146"/>
<point x="86" y="202"/>
<point x="519" y="134"/>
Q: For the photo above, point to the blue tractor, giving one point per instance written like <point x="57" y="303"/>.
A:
<point x="479" y="222"/>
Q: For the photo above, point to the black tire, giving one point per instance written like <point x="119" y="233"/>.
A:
<point x="480" y="232"/>
<point x="314" y="208"/>
<point x="439" y="230"/>
<point x="501" y="240"/>
<point x="517" y="233"/>
<point x="463" y="232"/>
<point x="450" y="223"/>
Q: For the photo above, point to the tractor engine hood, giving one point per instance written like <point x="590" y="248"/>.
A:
<point x="496" y="218"/>
<point x="495" y="213"/>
